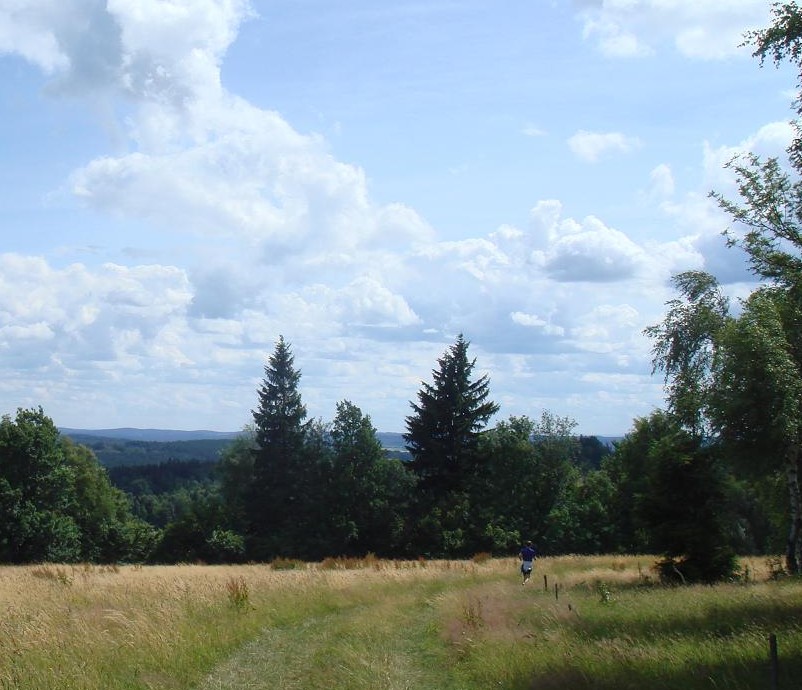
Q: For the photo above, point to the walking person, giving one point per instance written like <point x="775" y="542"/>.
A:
<point x="528" y="555"/>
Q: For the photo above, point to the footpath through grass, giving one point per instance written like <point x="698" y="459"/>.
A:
<point x="598" y="623"/>
<point x="378" y="635"/>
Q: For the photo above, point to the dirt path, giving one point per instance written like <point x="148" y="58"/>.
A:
<point x="387" y="641"/>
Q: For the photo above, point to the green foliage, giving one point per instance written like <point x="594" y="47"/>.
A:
<point x="225" y="546"/>
<point x="118" y="453"/>
<point x="443" y="431"/>
<point x="685" y="347"/>
<point x="734" y="382"/>
<point x="780" y="41"/>
<point x="686" y="510"/>
<point x="628" y="469"/>
<point x="768" y="218"/>
<point x="102" y="512"/>
<point x="758" y="396"/>
<point x="279" y="417"/>
<point x="195" y="534"/>
<point x="368" y="494"/>
<point x="279" y="491"/>
<point x="443" y="436"/>
<point x="56" y="501"/>
<point x="584" y="516"/>
<point x="591" y="453"/>
<point x="527" y="476"/>
<point x="235" y="472"/>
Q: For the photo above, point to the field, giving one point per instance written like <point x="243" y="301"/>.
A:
<point x="597" y="622"/>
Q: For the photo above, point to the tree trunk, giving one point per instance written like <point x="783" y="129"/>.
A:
<point x="793" y="554"/>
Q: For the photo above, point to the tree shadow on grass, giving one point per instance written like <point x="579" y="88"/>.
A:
<point x="754" y="675"/>
<point x="711" y="618"/>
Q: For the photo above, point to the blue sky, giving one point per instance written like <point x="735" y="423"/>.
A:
<point x="184" y="180"/>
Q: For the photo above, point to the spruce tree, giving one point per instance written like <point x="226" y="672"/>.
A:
<point x="443" y="431"/>
<point x="442" y="436"/>
<point x="280" y="472"/>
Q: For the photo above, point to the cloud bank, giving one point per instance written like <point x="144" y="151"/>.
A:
<point x="256" y="229"/>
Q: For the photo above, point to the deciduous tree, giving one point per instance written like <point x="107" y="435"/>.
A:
<point x="369" y="494"/>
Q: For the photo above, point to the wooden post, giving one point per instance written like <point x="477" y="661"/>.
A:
<point x="545" y="582"/>
<point x="775" y="667"/>
<point x="556" y="590"/>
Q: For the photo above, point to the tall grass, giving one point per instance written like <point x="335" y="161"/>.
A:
<point x="598" y="622"/>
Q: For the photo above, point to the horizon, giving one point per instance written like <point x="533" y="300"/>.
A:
<point x="99" y="431"/>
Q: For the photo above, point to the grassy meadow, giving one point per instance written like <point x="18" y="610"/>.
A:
<point x="592" y="622"/>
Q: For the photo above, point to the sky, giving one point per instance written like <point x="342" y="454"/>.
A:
<point x="183" y="181"/>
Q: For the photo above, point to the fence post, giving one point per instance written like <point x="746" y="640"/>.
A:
<point x="545" y="582"/>
<point x="773" y="661"/>
<point x="556" y="590"/>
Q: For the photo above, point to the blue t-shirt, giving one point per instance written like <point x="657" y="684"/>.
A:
<point x="528" y="553"/>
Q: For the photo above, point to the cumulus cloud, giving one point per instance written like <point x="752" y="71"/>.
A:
<point x="591" y="146"/>
<point x="699" y="216"/>
<point x="603" y="328"/>
<point x="584" y="251"/>
<point x="772" y="139"/>
<point x="367" y="301"/>
<point x="28" y="29"/>
<point x="534" y="321"/>
<point x="707" y="30"/>
<point x="91" y="316"/>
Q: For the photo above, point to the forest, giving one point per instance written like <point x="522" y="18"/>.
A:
<point x="713" y="475"/>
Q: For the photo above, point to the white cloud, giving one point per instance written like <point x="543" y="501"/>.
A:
<point x="613" y="39"/>
<point x="591" y="146"/>
<point x="90" y="316"/>
<point x="707" y="30"/>
<point x="531" y="130"/>
<point x="588" y="251"/>
<point x="662" y="181"/>
<point x="606" y="328"/>
<point x="534" y="321"/>
<point x="771" y="139"/>
<point x="366" y="301"/>
<point x="27" y="29"/>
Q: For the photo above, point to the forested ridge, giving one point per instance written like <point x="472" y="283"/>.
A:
<point x="114" y="452"/>
<point x="713" y="475"/>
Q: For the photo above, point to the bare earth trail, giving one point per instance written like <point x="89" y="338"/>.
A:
<point x="383" y="640"/>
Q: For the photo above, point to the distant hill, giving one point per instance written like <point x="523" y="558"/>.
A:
<point x="128" y="446"/>
<point x="391" y="440"/>
<point x="117" y="452"/>
<point x="160" y="435"/>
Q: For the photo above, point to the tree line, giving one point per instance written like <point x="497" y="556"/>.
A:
<point x="295" y="488"/>
<point x="715" y="474"/>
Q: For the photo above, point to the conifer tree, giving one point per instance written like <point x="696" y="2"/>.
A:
<point x="277" y="496"/>
<point x="443" y="431"/>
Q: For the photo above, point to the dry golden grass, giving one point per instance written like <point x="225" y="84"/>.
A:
<point x="168" y="627"/>
<point x="72" y="626"/>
